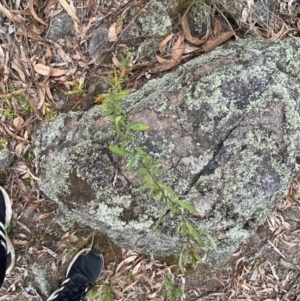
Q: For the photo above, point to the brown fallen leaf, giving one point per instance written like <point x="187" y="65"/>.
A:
<point x="176" y="53"/>
<point x="9" y="15"/>
<point x="41" y="96"/>
<point x="189" y="48"/>
<point x="90" y="6"/>
<point x="38" y="114"/>
<point x="20" y="72"/>
<point x="126" y="288"/>
<point x="69" y="10"/>
<point x="19" y="242"/>
<point x="49" y="95"/>
<point x="33" y="13"/>
<point x="47" y="70"/>
<point x="18" y="122"/>
<point x="113" y="31"/>
<point x="42" y="216"/>
<point x="23" y="226"/>
<point x="217" y="27"/>
<point x="187" y="31"/>
<point x="38" y="201"/>
<point x="49" y="5"/>
<point x="11" y="133"/>
<point x="212" y="44"/>
<point x="38" y="29"/>
<point x="164" y="42"/>
<point x="125" y="262"/>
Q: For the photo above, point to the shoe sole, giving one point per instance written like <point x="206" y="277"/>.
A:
<point x="8" y="204"/>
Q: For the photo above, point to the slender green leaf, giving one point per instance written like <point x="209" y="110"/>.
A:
<point x="124" y="142"/>
<point x="168" y="190"/>
<point x="194" y="233"/>
<point x="181" y="264"/>
<point x="142" y="153"/>
<point x="143" y="171"/>
<point x="187" y="206"/>
<point x="117" y="120"/>
<point x="147" y="161"/>
<point x="153" y="192"/>
<point x="212" y="241"/>
<point x="146" y="186"/>
<point x="179" y="227"/>
<point x="195" y="260"/>
<point x="139" y="127"/>
<point x="163" y="213"/>
<point x="120" y="95"/>
<point x="119" y="151"/>
<point x="131" y="162"/>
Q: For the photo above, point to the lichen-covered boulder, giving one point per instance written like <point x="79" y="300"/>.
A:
<point x="225" y="126"/>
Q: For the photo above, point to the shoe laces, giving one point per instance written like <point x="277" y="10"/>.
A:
<point x="74" y="290"/>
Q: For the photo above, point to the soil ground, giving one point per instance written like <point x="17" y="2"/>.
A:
<point x="267" y="265"/>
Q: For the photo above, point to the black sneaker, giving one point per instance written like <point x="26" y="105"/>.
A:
<point x="82" y="273"/>
<point x="7" y="252"/>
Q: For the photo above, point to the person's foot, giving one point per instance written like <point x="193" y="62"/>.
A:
<point x="82" y="273"/>
<point x="7" y="252"/>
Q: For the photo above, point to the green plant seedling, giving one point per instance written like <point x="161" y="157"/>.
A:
<point x="151" y="173"/>
<point x="50" y="113"/>
<point x="8" y="113"/>
<point x="78" y="90"/>
<point x="107" y="293"/>
<point x="4" y="142"/>
<point x="23" y="103"/>
<point x="171" y="291"/>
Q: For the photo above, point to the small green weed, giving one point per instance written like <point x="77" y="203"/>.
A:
<point x="151" y="173"/>
<point x="107" y="293"/>
<point x="12" y="88"/>
<point x="7" y="112"/>
<point x="23" y="103"/>
<point x="23" y="106"/>
<point x="128" y="278"/>
<point x="127" y="64"/>
<point x="4" y="142"/>
<point x="49" y="113"/>
<point x="30" y="155"/>
<point x="171" y="291"/>
<point x="78" y="90"/>
<point x="8" y="228"/>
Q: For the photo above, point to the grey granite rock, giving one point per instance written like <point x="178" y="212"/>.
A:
<point x="263" y="11"/>
<point x="99" y="38"/>
<point x="224" y="125"/>
<point x="6" y="157"/>
<point x="150" y="20"/>
<point x="60" y="27"/>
